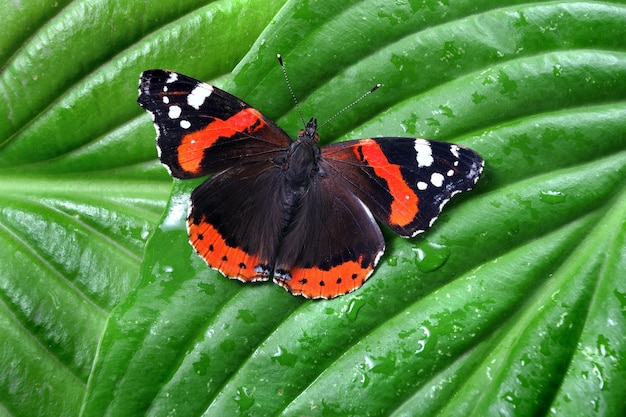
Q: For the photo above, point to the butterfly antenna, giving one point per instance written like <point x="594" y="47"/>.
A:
<point x="295" y="99"/>
<point x="367" y="93"/>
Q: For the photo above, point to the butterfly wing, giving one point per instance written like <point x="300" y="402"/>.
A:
<point x="202" y="129"/>
<point x="405" y="182"/>
<point x="236" y="220"/>
<point x="333" y="244"/>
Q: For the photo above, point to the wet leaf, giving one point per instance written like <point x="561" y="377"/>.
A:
<point x="513" y="303"/>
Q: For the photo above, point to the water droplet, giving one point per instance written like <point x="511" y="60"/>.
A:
<point x="410" y="125"/>
<point x="509" y="86"/>
<point x="406" y="333"/>
<point x="451" y="51"/>
<point x="243" y="399"/>
<point x="447" y="111"/>
<point x="430" y="256"/>
<point x="421" y="343"/>
<point x="431" y="121"/>
<point x="381" y="364"/>
<point x="552" y="197"/>
<point x="175" y="218"/>
<point x="598" y="374"/>
<point x="521" y="21"/>
<point x="392" y="260"/>
<point x="208" y="289"/>
<point x="284" y="358"/>
<point x="202" y="365"/>
<point x="512" y="398"/>
<point x="478" y="98"/>
<point x="512" y="226"/>
<point x="363" y="377"/>
<point x="228" y="345"/>
<point x="353" y="308"/>
<point x="246" y="316"/>
<point x="604" y="346"/>
<point x="145" y="232"/>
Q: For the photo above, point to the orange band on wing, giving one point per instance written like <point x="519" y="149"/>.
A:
<point x="404" y="206"/>
<point x="191" y="149"/>
<point x="319" y="283"/>
<point x="230" y="261"/>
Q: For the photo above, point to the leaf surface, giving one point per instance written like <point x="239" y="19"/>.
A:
<point x="513" y="303"/>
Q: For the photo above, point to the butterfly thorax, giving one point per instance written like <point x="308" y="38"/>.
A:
<point x="300" y="166"/>
<point x="301" y="161"/>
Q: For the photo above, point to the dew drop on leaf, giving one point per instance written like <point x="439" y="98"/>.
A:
<point x="353" y="308"/>
<point x="246" y="316"/>
<point x="392" y="260"/>
<point x="430" y="256"/>
<point x="228" y="345"/>
<point x="284" y="358"/>
<point x="362" y="377"/>
<point x="243" y="399"/>
<point x="552" y="197"/>
<point x="381" y="364"/>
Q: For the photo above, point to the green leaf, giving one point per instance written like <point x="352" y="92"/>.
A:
<point x="513" y="303"/>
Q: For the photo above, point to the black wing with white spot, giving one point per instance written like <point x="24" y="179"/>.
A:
<point x="405" y="182"/>
<point x="202" y="129"/>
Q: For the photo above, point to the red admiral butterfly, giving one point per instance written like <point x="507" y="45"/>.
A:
<point x="289" y="210"/>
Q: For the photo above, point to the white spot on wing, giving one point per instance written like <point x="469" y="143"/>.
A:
<point x="174" y="112"/>
<point x="172" y="78"/>
<point x="454" y="150"/>
<point x="198" y="95"/>
<point x="185" y="124"/>
<point x="421" y="185"/>
<point x="424" y="153"/>
<point x="166" y="100"/>
<point x="436" y="179"/>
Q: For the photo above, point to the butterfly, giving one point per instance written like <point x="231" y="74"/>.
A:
<point x="290" y="210"/>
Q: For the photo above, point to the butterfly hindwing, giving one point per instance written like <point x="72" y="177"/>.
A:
<point x="236" y="219"/>
<point x="333" y="244"/>
<point x="202" y="129"/>
<point x="405" y="182"/>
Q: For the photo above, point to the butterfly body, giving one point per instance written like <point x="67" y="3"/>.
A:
<point x="288" y="210"/>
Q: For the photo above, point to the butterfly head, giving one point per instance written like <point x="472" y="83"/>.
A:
<point x="309" y="133"/>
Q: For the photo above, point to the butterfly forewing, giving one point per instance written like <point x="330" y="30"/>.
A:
<point x="404" y="181"/>
<point x="202" y="129"/>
